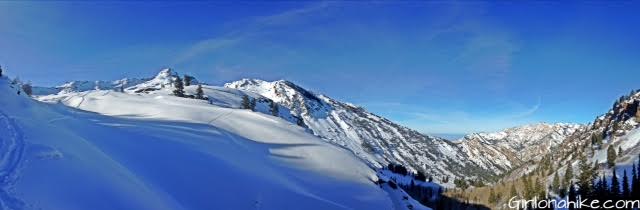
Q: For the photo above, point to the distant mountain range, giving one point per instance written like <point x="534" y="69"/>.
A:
<point x="374" y="139"/>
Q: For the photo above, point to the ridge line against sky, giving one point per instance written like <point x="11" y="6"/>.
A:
<point x="436" y="67"/>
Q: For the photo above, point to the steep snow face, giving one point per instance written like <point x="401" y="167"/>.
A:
<point x="155" y="151"/>
<point x="514" y="146"/>
<point x="298" y="99"/>
<point x="371" y="137"/>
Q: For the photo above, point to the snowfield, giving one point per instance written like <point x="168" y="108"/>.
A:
<point x="379" y="141"/>
<point x="373" y="139"/>
<point x="102" y="149"/>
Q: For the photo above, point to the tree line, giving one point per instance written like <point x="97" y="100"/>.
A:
<point x="180" y="83"/>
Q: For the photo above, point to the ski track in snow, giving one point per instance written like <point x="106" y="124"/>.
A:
<point x="11" y="153"/>
<point x="219" y="116"/>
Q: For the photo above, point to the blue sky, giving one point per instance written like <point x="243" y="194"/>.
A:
<point x="436" y="67"/>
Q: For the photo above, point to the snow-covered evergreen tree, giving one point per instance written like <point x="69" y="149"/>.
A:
<point x="635" y="183"/>
<point x="299" y="121"/>
<point x="26" y="87"/>
<point x="246" y="102"/>
<point x="615" y="185"/>
<point x="555" y="184"/>
<point x="585" y="179"/>
<point x="626" y="190"/>
<point x="273" y="107"/>
<point x="252" y="104"/>
<point x="188" y="80"/>
<point x="568" y="175"/>
<point x="611" y="156"/>
<point x="179" y="87"/>
<point x="573" y="194"/>
<point x="199" y="92"/>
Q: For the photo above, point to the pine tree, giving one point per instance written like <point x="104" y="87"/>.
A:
<point x="605" y="186"/>
<point x="619" y="151"/>
<point x="187" y="80"/>
<point x="599" y="139"/>
<point x="555" y="184"/>
<point x="528" y="188"/>
<point x="246" y="102"/>
<point x="611" y="157"/>
<point x="601" y="186"/>
<point x="585" y="179"/>
<point x="615" y="186"/>
<point x="0" y="71"/>
<point x="562" y="191"/>
<point x="572" y="195"/>
<point x="492" y="197"/>
<point x="539" y="189"/>
<point x="300" y="122"/>
<point x="179" y="87"/>
<point x="626" y="190"/>
<point x="273" y="108"/>
<point x="635" y="183"/>
<point x="26" y="87"/>
<point x="252" y="104"/>
<point x="199" y="92"/>
<point x="568" y="175"/>
<point x="513" y="190"/>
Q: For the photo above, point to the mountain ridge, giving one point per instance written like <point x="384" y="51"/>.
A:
<point x="449" y="156"/>
<point x="374" y="139"/>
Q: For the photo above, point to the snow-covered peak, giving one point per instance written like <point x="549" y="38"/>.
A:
<point x="165" y="78"/>
<point x="166" y="74"/>
<point x="520" y="134"/>
<point x="374" y="139"/>
<point x="162" y="79"/>
<point x="512" y="147"/>
<point x="245" y="82"/>
<point x="209" y="156"/>
<point x="273" y="89"/>
<point x="379" y="141"/>
<point x="81" y="86"/>
<point x="298" y="99"/>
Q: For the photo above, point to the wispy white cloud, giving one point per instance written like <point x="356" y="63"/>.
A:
<point x="527" y="113"/>
<point x="254" y="27"/>
<point x="488" y="48"/>
<point x="204" y="46"/>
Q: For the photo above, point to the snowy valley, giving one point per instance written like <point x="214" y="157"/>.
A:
<point x="253" y="144"/>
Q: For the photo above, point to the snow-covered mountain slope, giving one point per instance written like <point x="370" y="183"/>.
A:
<point x="372" y="138"/>
<point x="164" y="78"/>
<point x="162" y="85"/>
<point x="153" y="151"/>
<point x="380" y="141"/>
<point x="618" y="129"/>
<point x="515" y="146"/>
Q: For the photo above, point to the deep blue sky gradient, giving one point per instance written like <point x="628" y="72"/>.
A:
<point x="436" y="67"/>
